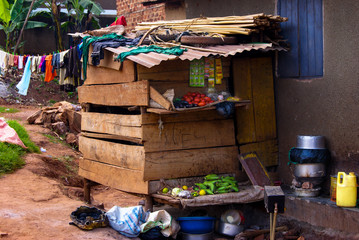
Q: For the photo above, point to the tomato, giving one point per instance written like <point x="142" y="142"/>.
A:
<point x="211" y="101"/>
<point x="201" y="104"/>
<point x="203" y="95"/>
<point x="207" y="99"/>
<point x="193" y="94"/>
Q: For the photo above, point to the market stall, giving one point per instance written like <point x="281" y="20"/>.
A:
<point x="136" y="132"/>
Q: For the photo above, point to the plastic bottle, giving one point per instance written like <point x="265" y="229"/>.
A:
<point x="346" y="190"/>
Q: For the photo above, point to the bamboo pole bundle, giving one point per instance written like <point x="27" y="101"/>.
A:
<point x="219" y="25"/>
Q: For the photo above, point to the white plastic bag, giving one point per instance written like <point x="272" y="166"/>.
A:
<point x="127" y="221"/>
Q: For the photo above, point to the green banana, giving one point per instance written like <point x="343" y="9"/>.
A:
<point x="222" y="191"/>
<point x="211" y="177"/>
<point x="235" y="188"/>
<point x="208" y="191"/>
<point x="210" y="185"/>
<point x="201" y="185"/>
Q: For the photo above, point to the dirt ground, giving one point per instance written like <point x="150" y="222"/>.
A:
<point x="37" y="200"/>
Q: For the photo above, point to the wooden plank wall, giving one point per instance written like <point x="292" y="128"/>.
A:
<point x="256" y="125"/>
<point x="125" y="94"/>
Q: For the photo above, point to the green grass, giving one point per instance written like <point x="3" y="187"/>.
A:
<point x="11" y="154"/>
<point x="8" y="110"/>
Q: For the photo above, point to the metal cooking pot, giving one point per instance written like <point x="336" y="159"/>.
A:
<point x="189" y="236"/>
<point x="309" y="170"/>
<point x="310" y="142"/>
<point x="229" y="229"/>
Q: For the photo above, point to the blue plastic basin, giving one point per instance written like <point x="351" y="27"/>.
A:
<point x="196" y="225"/>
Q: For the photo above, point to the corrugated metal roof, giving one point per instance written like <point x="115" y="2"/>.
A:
<point x="152" y="59"/>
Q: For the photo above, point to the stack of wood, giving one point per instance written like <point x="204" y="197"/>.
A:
<point x="230" y="25"/>
<point x="62" y="118"/>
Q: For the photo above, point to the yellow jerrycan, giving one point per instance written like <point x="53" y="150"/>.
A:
<point x="346" y="190"/>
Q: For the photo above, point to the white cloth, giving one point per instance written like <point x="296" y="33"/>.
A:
<point x="2" y="59"/>
<point x="20" y="63"/>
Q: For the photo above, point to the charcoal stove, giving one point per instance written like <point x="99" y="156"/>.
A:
<point x="309" y="160"/>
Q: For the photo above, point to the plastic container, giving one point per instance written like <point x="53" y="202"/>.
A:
<point x="346" y="190"/>
<point x="196" y="225"/>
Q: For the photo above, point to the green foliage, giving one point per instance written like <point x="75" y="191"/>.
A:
<point x="52" y="101"/>
<point x="8" y="110"/>
<point x="18" y="10"/>
<point x="11" y="154"/>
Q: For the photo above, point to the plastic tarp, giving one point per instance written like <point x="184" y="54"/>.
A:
<point x="9" y="135"/>
<point x="163" y="220"/>
<point x="127" y="221"/>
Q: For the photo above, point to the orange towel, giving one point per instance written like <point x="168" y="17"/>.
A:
<point x="49" y="74"/>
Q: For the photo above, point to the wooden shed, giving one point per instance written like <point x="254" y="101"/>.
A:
<point x="132" y="147"/>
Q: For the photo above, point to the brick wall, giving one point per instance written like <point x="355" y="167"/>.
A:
<point x="135" y="12"/>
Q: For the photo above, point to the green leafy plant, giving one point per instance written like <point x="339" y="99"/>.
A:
<point x="11" y="154"/>
<point x="12" y="18"/>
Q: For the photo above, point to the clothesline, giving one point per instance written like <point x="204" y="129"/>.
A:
<point x="67" y="63"/>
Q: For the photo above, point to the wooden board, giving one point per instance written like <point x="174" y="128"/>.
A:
<point x="245" y="125"/>
<point x="115" y="124"/>
<point x="254" y="169"/>
<point x="121" y="155"/>
<point x="263" y="98"/>
<point x="188" y="135"/>
<point x="120" y="178"/>
<point x="192" y="162"/>
<point x="106" y="136"/>
<point x="125" y="94"/>
<point x="158" y="98"/>
<point x="175" y="70"/>
<point x="253" y="80"/>
<point x="267" y="151"/>
<point x="103" y="75"/>
<point x="150" y="118"/>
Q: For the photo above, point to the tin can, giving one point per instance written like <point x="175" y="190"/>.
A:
<point x="333" y="188"/>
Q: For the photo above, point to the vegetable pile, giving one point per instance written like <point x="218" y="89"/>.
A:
<point x="212" y="184"/>
<point x="192" y="99"/>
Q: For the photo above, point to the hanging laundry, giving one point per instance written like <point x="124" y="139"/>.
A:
<point x="11" y="60"/>
<point x="42" y="65"/>
<point x="20" y="62"/>
<point x="73" y="70"/>
<point x="23" y="85"/>
<point x="86" y="44"/>
<point x="62" y="70"/>
<point x="146" y="49"/>
<point x="16" y="60"/>
<point x="98" y="46"/>
<point x="34" y="63"/>
<point x="50" y="73"/>
<point x="2" y="59"/>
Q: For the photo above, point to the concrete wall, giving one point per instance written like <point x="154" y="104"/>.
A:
<point x="327" y="106"/>
<point x="215" y="8"/>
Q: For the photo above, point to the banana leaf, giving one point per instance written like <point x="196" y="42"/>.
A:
<point x="4" y="11"/>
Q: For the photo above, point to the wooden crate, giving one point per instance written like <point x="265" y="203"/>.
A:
<point x="155" y="147"/>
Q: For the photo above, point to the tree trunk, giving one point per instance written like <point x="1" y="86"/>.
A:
<point x="56" y="15"/>
<point x="23" y="26"/>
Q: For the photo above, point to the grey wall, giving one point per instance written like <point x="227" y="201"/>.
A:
<point x="215" y="8"/>
<point x="327" y="106"/>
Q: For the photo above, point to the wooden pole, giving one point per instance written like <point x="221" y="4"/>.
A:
<point x="23" y="27"/>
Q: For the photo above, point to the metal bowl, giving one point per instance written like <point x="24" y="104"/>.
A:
<point x="309" y="170"/>
<point x="189" y="236"/>
<point x="229" y="229"/>
<point x="310" y="142"/>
